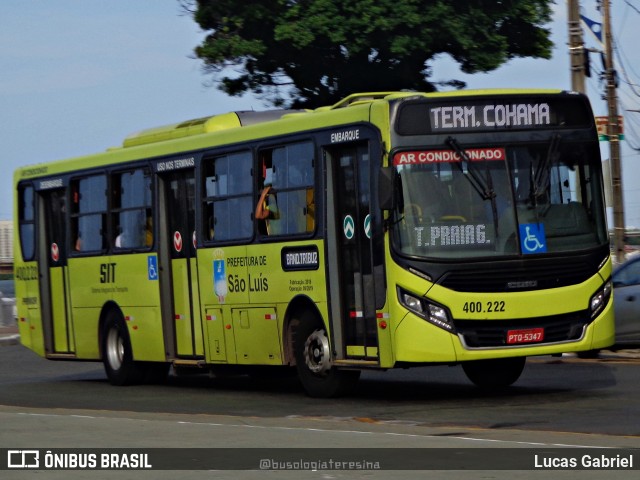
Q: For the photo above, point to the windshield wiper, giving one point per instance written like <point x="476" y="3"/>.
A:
<point x="541" y="179"/>
<point x="484" y="189"/>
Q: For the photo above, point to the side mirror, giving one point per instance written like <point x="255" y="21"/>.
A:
<point x="386" y="179"/>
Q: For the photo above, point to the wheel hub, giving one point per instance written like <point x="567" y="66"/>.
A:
<point x="115" y="349"/>
<point x="317" y="354"/>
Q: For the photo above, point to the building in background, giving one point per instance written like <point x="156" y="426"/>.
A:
<point x="6" y="246"/>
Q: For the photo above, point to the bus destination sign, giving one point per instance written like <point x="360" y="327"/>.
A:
<point x="444" y="117"/>
<point x="470" y="117"/>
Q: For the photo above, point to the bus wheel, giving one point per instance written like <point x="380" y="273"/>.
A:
<point x="313" y="362"/>
<point x="495" y="373"/>
<point x="117" y="355"/>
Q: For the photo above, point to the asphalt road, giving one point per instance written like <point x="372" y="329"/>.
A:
<point x="569" y="395"/>
<point x="557" y="402"/>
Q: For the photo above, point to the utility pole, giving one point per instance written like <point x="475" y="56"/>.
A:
<point x="576" y="47"/>
<point x="613" y="130"/>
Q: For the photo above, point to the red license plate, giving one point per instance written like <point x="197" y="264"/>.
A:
<point x="527" y="335"/>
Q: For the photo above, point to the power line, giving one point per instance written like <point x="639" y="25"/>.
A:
<point x="632" y="6"/>
<point x="621" y="65"/>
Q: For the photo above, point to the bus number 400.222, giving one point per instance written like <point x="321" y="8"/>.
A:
<point x="480" y="307"/>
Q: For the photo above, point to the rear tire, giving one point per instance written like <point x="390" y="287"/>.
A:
<point x="117" y="354"/>
<point x="319" y="378"/>
<point x="495" y="373"/>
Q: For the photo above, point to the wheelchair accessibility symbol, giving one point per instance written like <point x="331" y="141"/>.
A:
<point x="532" y="238"/>
<point x="152" y="267"/>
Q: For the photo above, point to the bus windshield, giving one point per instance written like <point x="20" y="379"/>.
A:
<point x="500" y="200"/>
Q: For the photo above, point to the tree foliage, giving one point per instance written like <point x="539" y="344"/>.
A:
<point x="308" y="53"/>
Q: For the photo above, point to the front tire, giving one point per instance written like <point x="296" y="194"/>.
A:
<point x="319" y="378"/>
<point x="494" y="373"/>
<point x="117" y="354"/>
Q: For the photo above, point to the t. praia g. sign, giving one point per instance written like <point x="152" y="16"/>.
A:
<point x="448" y="156"/>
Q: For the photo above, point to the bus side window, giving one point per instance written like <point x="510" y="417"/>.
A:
<point x="89" y="213"/>
<point x="287" y="202"/>
<point x="26" y="212"/>
<point x="131" y="209"/>
<point x="227" y="205"/>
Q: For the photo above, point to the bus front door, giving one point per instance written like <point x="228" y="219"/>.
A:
<point x="54" y="275"/>
<point x="183" y="337"/>
<point x="356" y="272"/>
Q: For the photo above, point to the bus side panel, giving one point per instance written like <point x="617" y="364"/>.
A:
<point x="26" y="274"/>
<point x="279" y="273"/>
<point x="92" y="281"/>
<point x="28" y="305"/>
<point x="136" y="293"/>
<point x="222" y="283"/>
<point x="285" y="270"/>
<point x="256" y="335"/>
<point x="215" y="345"/>
<point x="145" y="332"/>
<point x="85" y="321"/>
<point x="245" y="292"/>
<point x="92" y="285"/>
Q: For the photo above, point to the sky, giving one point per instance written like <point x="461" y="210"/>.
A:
<point x="78" y="76"/>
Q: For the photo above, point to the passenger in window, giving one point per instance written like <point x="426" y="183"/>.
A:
<point x="118" y="242"/>
<point x="132" y="230"/>
<point x="211" y="230"/>
<point x="148" y="232"/>
<point x="267" y="209"/>
<point x="82" y="234"/>
<point x="127" y="237"/>
<point x="126" y="240"/>
<point x="310" y="211"/>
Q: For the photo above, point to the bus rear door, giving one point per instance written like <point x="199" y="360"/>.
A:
<point x="183" y="336"/>
<point x="53" y="272"/>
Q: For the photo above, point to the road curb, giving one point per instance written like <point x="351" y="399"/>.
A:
<point x="628" y="354"/>
<point x="10" y="340"/>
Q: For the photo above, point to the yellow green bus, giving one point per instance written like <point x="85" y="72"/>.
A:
<point x="392" y="229"/>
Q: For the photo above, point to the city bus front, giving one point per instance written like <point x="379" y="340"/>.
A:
<point x="498" y="235"/>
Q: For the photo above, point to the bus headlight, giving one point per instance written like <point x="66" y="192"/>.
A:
<point x="426" y="309"/>
<point x="600" y="299"/>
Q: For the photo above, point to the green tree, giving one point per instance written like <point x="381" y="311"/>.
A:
<point x="307" y="53"/>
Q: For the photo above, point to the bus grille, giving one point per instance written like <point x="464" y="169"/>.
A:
<point x="497" y="278"/>
<point x="493" y="333"/>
